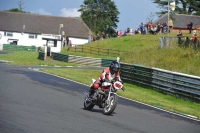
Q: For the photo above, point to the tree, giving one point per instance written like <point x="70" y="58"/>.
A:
<point x="150" y="17"/>
<point x="182" y="6"/>
<point x="15" y="10"/>
<point x="100" y="15"/>
<point x="20" y="5"/>
<point x="20" y="9"/>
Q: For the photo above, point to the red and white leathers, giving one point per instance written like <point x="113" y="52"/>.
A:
<point x="106" y="75"/>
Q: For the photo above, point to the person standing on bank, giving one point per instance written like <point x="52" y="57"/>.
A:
<point x="191" y="25"/>
<point x="171" y="25"/>
<point x="67" y="40"/>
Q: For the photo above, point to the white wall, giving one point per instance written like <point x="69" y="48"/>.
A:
<point x="1" y="46"/>
<point x="24" y="40"/>
<point x="58" y="48"/>
<point x="78" y="41"/>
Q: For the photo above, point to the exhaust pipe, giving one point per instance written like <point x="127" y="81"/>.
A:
<point x="101" y="92"/>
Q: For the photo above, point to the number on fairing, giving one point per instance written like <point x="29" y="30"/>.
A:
<point x="118" y="85"/>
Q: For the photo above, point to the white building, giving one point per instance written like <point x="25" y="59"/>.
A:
<point x="28" y="30"/>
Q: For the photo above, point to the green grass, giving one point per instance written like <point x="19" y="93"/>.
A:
<point x="145" y="50"/>
<point x="142" y="49"/>
<point x="29" y="58"/>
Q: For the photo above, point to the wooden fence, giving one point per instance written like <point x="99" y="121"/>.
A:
<point x="96" y="50"/>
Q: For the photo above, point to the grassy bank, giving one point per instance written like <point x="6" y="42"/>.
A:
<point x="145" y="50"/>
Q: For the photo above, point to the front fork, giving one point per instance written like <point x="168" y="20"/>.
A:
<point x="86" y="96"/>
<point x="109" y="93"/>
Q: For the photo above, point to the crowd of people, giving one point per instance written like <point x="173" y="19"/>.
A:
<point x="148" y="28"/>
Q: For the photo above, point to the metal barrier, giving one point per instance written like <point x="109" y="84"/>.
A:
<point x="41" y="55"/>
<point x="178" y="84"/>
<point x="18" y="48"/>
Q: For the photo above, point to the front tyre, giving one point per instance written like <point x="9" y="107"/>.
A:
<point x="88" y="105"/>
<point x="110" y="105"/>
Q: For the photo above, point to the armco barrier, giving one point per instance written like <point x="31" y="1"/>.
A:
<point x="41" y="55"/>
<point x="178" y="84"/>
<point x="59" y="57"/>
<point x="18" y="48"/>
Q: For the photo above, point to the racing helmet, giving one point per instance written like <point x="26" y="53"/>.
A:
<point x="114" y="67"/>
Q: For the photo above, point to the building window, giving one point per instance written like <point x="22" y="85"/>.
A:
<point x="8" y="34"/>
<point x="32" y="36"/>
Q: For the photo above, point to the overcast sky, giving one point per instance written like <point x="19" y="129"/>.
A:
<point x="132" y="12"/>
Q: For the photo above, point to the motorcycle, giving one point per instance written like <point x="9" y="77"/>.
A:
<point x="105" y="96"/>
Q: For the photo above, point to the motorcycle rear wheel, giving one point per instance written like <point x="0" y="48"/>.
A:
<point x="88" y="105"/>
<point x="110" y="107"/>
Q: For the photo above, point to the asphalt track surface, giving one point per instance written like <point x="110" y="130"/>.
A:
<point x="36" y="102"/>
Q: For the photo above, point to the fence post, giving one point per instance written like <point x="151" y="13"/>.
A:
<point x="75" y="49"/>
<point x="187" y="41"/>
<point x="82" y="48"/>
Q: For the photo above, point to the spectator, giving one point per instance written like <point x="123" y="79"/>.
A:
<point x="141" y="27"/>
<point x="89" y="37"/>
<point x="128" y="31"/>
<point x="67" y="40"/>
<point x="124" y="33"/>
<point x="98" y="36"/>
<point x="161" y="28"/>
<point x="70" y="43"/>
<point x="120" y="33"/>
<point x="117" y="33"/>
<point x="170" y="24"/>
<point x="150" y="26"/>
<point x="137" y="31"/>
<point x="145" y="28"/>
<point x="194" y="37"/>
<point x="131" y="31"/>
<point x="191" y="25"/>
<point x="104" y="35"/>
<point x="165" y="28"/>
<point x="179" y="34"/>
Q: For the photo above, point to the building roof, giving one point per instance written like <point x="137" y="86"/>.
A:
<point x="181" y="20"/>
<point x="42" y="24"/>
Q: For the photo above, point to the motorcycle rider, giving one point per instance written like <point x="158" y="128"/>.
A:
<point x="108" y="74"/>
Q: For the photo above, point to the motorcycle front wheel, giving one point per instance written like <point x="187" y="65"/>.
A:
<point x="110" y="105"/>
<point x="88" y="105"/>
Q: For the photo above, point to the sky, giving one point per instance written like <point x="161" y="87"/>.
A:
<point x="132" y="12"/>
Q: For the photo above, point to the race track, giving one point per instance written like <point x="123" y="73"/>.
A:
<point x="35" y="102"/>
